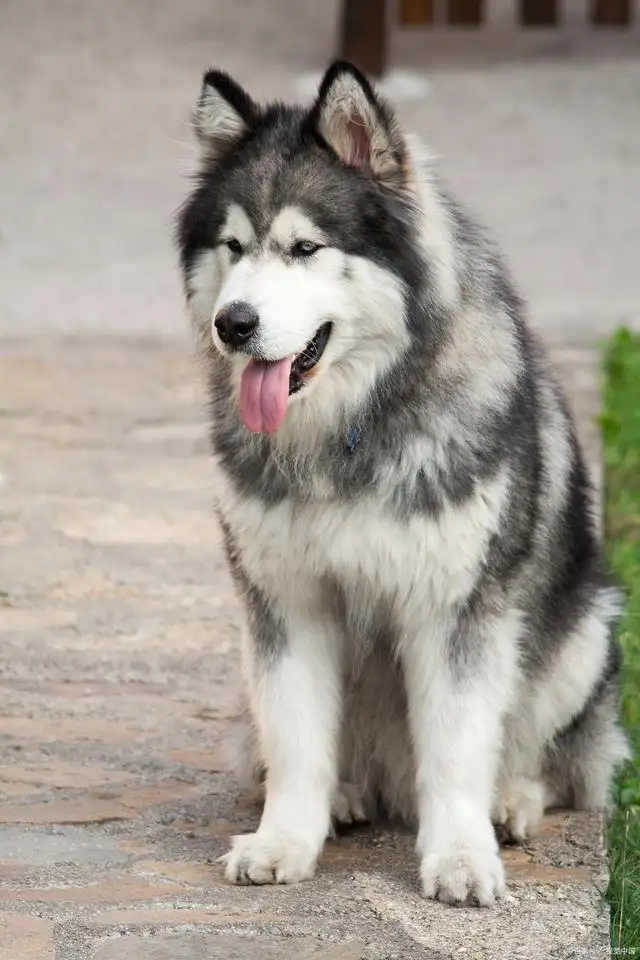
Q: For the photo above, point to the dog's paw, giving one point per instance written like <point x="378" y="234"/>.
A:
<point x="346" y="806"/>
<point x="464" y="875"/>
<point x="519" y="809"/>
<point x="265" y="858"/>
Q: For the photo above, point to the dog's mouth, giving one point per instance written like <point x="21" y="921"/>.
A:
<point x="266" y="385"/>
<point x="305" y="362"/>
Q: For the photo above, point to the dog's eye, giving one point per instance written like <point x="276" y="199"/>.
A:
<point x="235" y="247"/>
<point x="304" y="248"/>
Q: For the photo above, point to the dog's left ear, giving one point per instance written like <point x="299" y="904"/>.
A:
<point x="358" y="126"/>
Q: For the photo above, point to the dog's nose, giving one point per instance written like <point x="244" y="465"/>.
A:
<point x="236" y="323"/>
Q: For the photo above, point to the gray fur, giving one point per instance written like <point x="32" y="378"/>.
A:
<point x="265" y="626"/>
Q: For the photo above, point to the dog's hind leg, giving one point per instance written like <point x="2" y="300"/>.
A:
<point x="347" y="806"/>
<point x="579" y="763"/>
<point x="574" y="770"/>
<point x="562" y="745"/>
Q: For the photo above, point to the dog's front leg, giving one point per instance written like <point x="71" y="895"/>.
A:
<point x="294" y="675"/>
<point x="456" y="700"/>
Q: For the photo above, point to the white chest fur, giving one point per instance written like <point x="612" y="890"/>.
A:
<point x="432" y="561"/>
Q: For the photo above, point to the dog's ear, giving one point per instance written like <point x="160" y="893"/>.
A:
<point x="223" y="114"/>
<point x="360" y="128"/>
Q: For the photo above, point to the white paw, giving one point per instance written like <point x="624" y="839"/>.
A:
<point x="268" y="858"/>
<point x="519" y="809"/>
<point x="463" y="875"/>
<point x="346" y="805"/>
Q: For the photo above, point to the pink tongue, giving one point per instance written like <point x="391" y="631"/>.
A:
<point x="264" y="392"/>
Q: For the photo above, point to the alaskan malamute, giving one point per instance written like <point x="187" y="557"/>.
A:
<point x="404" y="504"/>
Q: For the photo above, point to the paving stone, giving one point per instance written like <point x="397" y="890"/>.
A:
<point x="26" y="938"/>
<point x="215" y="760"/>
<point x="41" y="731"/>
<point x="172" y="916"/>
<point x="119" y="889"/>
<point x="58" y="773"/>
<point x="109" y="523"/>
<point x="211" y="947"/>
<point x="27" y="620"/>
<point x="198" y="874"/>
<point x="56" y="846"/>
<point x="96" y="808"/>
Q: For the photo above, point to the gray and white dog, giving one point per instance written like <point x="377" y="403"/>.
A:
<point x="404" y="504"/>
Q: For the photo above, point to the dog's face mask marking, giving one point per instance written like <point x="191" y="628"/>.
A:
<point x="299" y="219"/>
<point x="280" y="297"/>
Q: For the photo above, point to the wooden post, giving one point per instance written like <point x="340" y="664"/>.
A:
<point x="417" y="11"/>
<point x="611" y="13"/>
<point x="364" y="34"/>
<point x="538" y="13"/>
<point x="465" y="13"/>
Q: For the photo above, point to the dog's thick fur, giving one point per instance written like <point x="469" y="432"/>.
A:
<point x="429" y="628"/>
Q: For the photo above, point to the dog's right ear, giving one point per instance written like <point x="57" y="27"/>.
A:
<point x="224" y="113"/>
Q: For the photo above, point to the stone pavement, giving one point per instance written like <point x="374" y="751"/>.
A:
<point x="120" y="705"/>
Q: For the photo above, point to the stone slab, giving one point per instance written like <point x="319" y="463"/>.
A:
<point x="194" y="946"/>
<point x="26" y="938"/>
<point x="56" y="846"/>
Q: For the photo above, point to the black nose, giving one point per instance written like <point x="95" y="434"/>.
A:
<point x="236" y="323"/>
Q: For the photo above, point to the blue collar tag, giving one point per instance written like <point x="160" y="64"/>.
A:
<point x="353" y="439"/>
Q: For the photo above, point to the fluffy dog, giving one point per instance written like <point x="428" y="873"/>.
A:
<point x="404" y="503"/>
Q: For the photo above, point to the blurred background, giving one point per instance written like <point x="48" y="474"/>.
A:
<point x="537" y="128"/>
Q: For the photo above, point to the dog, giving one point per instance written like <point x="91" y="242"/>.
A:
<point x="403" y="500"/>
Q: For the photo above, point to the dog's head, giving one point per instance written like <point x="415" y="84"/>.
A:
<point x="299" y="244"/>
